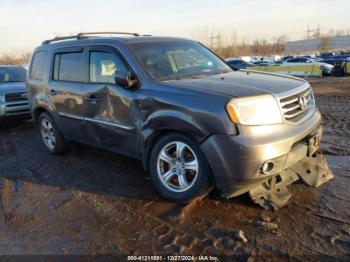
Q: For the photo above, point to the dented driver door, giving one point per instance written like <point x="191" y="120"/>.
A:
<point x="108" y="119"/>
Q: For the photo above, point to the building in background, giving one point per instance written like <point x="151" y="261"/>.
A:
<point x="319" y="44"/>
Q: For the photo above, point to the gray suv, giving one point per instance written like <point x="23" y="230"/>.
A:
<point x="194" y="122"/>
<point x="13" y="93"/>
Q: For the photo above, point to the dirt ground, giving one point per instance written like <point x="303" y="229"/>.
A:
<point x="94" y="202"/>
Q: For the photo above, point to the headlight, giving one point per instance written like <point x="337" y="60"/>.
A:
<point x="329" y="66"/>
<point x="254" y="111"/>
<point x="2" y="98"/>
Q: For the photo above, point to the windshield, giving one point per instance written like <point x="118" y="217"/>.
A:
<point x="12" y="74"/>
<point x="174" y="60"/>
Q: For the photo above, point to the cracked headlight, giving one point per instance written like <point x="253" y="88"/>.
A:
<point x="254" y="111"/>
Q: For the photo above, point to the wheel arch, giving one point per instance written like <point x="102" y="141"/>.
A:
<point x="167" y="121"/>
<point x="37" y="112"/>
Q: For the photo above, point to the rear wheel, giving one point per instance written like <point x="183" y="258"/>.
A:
<point x="179" y="169"/>
<point x="51" y="137"/>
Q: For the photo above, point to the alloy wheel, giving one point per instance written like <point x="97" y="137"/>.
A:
<point x="177" y="166"/>
<point x="48" y="134"/>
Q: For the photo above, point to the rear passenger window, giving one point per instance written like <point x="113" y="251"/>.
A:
<point x="39" y="65"/>
<point x="67" y="67"/>
<point x="103" y="67"/>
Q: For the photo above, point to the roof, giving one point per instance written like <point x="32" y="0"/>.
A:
<point x="83" y="38"/>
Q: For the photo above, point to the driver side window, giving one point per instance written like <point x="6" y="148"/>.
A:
<point x="103" y="66"/>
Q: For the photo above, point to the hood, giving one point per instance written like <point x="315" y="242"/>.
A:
<point x="13" y="87"/>
<point x="242" y="83"/>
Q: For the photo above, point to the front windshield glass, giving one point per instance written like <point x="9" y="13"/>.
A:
<point x="12" y="74"/>
<point x="174" y="60"/>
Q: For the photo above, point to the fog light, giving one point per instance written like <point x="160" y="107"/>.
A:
<point x="268" y="167"/>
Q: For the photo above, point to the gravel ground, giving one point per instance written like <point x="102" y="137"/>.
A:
<point x="93" y="202"/>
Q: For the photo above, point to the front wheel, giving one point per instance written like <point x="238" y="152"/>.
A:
<point x="179" y="169"/>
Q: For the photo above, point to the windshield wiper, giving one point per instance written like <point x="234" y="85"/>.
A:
<point x="199" y="75"/>
<point x="209" y="73"/>
<point x="196" y="76"/>
<point x="218" y="72"/>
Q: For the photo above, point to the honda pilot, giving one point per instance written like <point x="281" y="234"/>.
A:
<point x="195" y="123"/>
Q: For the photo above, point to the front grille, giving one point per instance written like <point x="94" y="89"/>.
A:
<point x="19" y="111"/>
<point x="296" y="106"/>
<point x="17" y="104"/>
<point x="22" y="96"/>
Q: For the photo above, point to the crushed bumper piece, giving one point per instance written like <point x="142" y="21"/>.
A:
<point x="273" y="193"/>
<point x="314" y="172"/>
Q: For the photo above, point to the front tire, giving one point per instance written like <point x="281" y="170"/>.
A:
<point x="179" y="170"/>
<point x="50" y="135"/>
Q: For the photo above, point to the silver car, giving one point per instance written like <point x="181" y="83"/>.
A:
<point x="13" y="93"/>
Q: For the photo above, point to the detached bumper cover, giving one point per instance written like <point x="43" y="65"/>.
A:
<point x="274" y="193"/>
<point x="236" y="161"/>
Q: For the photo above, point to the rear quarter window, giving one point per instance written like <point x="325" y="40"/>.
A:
<point x="39" y="64"/>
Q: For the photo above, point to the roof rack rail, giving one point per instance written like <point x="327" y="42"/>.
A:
<point x="85" y="35"/>
<point x="82" y="35"/>
<point x="58" y="38"/>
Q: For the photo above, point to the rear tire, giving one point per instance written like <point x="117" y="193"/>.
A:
<point x="179" y="170"/>
<point x="52" y="139"/>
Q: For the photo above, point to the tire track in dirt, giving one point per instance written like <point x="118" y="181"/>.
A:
<point x="335" y="109"/>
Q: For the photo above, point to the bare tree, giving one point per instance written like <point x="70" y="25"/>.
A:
<point x="14" y="59"/>
<point x="238" y="46"/>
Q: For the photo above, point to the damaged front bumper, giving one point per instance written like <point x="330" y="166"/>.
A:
<point x="273" y="193"/>
<point x="237" y="161"/>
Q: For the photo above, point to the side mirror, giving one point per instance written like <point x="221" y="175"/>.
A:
<point x="126" y="79"/>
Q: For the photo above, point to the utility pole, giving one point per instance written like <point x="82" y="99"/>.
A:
<point x="308" y="32"/>
<point x="313" y="33"/>
<point x="215" y="40"/>
<point x="318" y="34"/>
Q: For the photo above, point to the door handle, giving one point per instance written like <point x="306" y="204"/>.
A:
<point x="92" y="98"/>
<point x="53" y="92"/>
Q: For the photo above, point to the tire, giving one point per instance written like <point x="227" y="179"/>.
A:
<point x="179" y="179"/>
<point x="52" y="139"/>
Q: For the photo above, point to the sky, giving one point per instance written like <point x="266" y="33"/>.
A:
<point x="24" y="24"/>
